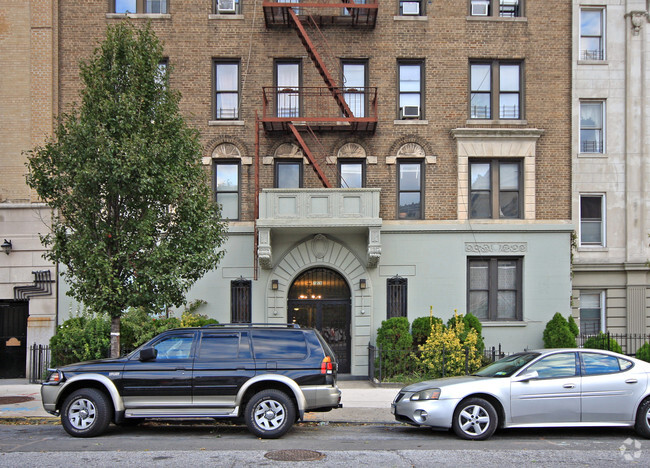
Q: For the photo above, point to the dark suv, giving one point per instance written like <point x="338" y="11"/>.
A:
<point x="269" y="375"/>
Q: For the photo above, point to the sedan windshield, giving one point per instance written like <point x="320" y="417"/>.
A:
<point x="507" y="366"/>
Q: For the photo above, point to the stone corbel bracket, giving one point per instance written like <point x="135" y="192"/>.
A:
<point x="637" y="18"/>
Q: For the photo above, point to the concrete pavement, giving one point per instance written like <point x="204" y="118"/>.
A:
<point x="363" y="402"/>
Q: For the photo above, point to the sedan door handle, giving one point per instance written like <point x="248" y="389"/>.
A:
<point x="631" y="381"/>
<point x="569" y="385"/>
<point x="181" y="368"/>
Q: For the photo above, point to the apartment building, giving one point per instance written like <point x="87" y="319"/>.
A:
<point x="611" y="173"/>
<point x="28" y="295"/>
<point x="374" y="159"/>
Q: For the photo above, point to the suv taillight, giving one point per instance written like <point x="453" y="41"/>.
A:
<point x="326" y="366"/>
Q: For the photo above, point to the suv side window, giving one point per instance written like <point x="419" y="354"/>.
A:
<point x="174" y="347"/>
<point x="279" y="344"/>
<point x="216" y="346"/>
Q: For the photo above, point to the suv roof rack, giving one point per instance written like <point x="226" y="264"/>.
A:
<point x="251" y="325"/>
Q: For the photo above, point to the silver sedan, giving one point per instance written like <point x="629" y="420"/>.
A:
<point x="546" y="388"/>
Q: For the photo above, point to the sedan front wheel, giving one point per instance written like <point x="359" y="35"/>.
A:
<point x="642" y="425"/>
<point x="475" y="419"/>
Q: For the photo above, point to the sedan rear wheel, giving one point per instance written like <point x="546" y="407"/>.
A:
<point x="475" y="419"/>
<point x="642" y="425"/>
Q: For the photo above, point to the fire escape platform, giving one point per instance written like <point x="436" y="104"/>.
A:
<point x="324" y="13"/>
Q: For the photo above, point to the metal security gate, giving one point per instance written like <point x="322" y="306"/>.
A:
<point x="13" y="339"/>
<point x="320" y="298"/>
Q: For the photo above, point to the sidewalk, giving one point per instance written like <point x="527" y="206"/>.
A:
<point x="362" y="401"/>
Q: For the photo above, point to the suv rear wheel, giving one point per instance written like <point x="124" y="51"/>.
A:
<point x="86" y="413"/>
<point x="270" y="414"/>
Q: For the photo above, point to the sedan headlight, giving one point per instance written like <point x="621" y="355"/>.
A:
<point x="428" y="394"/>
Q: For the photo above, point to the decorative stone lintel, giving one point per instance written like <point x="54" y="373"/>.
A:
<point x="496" y="247"/>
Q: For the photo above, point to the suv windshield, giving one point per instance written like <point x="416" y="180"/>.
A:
<point x="507" y="366"/>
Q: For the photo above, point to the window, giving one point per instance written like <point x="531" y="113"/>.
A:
<point x="287" y="81"/>
<point x="288" y="174"/>
<point x="556" y="366"/>
<point x="502" y="8"/>
<point x="219" y="346"/>
<point x="592" y="312"/>
<point x="279" y="344"/>
<point x="411" y="78"/>
<point x="411" y="8"/>
<point x="495" y="85"/>
<point x="240" y="301"/>
<point x="174" y="347"/>
<point x="592" y="220"/>
<point x="352" y="173"/>
<point x="141" y="6"/>
<point x="410" y="190"/>
<point x="592" y="117"/>
<point x="226" y="79"/>
<point x="396" y="297"/>
<point x="226" y="184"/>
<point x="355" y="79"/>
<point x="495" y="189"/>
<point x="162" y="72"/>
<point x="226" y="7"/>
<point x="494" y="291"/>
<point x="592" y="44"/>
<point x="596" y="363"/>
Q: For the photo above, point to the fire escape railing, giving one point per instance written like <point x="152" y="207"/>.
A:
<point x="325" y="12"/>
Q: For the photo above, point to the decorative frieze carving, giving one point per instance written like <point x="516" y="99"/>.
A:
<point x="496" y="247"/>
<point x="637" y="18"/>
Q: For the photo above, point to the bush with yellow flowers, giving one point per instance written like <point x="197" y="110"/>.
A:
<point x="450" y="350"/>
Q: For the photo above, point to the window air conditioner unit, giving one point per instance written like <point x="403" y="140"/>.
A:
<point x="410" y="8"/>
<point x="411" y="112"/>
<point x="480" y="8"/>
<point x="226" y="6"/>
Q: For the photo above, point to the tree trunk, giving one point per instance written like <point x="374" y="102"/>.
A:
<point x="115" y="337"/>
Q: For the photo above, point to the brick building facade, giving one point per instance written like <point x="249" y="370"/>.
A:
<point x="438" y="172"/>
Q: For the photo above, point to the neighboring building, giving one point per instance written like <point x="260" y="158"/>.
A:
<point x="611" y="171"/>
<point x="28" y="293"/>
<point x="405" y="154"/>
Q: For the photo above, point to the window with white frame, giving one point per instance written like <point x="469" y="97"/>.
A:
<point x="592" y="126"/>
<point x="592" y="308"/>
<point x="495" y="85"/>
<point x="226" y="7"/>
<point x="494" y="288"/>
<point x="411" y="8"/>
<point x="352" y="173"/>
<point x="592" y="220"/>
<point x="226" y="79"/>
<point x="411" y="78"/>
<point x="140" y="6"/>
<point x="592" y="34"/>
<point x="226" y="174"/>
<point x="410" y="189"/>
<point x="501" y="8"/>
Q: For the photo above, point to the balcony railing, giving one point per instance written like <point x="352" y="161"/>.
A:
<point x="325" y="12"/>
<point x="317" y="108"/>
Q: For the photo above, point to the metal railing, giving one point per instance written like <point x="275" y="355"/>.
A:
<point x="629" y="342"/>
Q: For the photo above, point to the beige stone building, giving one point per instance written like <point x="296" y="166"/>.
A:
<point x="28" y="293"/>
<point x="611" y="173"/>
<point x="374" y="159"/>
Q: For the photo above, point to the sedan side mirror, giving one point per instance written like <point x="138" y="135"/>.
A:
<point x="148" y="354"/>
<point x="526" y="376"/>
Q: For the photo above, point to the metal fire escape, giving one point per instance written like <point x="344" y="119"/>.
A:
<point x="318" y="110"/>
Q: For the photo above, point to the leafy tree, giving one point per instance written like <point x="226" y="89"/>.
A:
<point x="134" y="223"/>
<point x="557" y="333"/>
<point x="573" y="326"/>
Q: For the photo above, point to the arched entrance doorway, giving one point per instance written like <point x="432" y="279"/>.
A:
<point x="320" y="298"/>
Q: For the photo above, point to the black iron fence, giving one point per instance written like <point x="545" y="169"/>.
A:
<point x="629" y="342"/>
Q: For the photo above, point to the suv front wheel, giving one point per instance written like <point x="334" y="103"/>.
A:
<point x="270" y="414"/>
<point x="86" y="413"/>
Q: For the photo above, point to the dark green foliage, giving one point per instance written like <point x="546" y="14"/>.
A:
<point x="471" y="322"/>
<point x="557" y="333"/>
<point x="81" y="338"/>
<point x="135" y="223"/>
<point x="421" y="329"/>
<point x="643" y="352"/>
<point x="573" y="326"/>
<point x="394" y="341"/>
<point x="603" y="341"/>
<point x="138" y="327"/>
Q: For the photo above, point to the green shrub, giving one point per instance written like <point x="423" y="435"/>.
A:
<point x="421" y="329"/>
<point x="603" y="341"/>
<point x="557" y="333"/>
<point x="138" y="327"/>
<point x="573" y="326"/>
<point x="643" y="352"/>
<point x="394" y="341"/>
<point x="81" y="338"/>
<point x="191" y="317"/>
